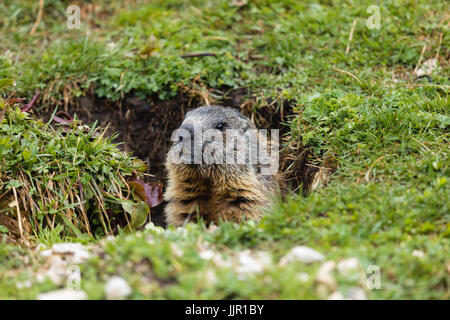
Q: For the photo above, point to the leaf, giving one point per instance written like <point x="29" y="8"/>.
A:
<point x="29" y="105"/>
<point x="14" y="184"/>
<point x="26" y="154"/>
<point x="6" y="82"/>
<point x="3" y="229"/>
<point x="138" y="212"/>
<point x="68" y="119"/>
<point x="140" y="165"/>
<point x="150" y="192"/>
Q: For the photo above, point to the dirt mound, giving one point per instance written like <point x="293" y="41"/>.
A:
<point x="144" y="128"/>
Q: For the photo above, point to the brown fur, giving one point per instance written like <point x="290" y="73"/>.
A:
<point x="225" y="195"/>
<point x="216" y="192"/>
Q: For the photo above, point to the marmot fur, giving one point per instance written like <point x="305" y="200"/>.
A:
<point x="216" y="190"/>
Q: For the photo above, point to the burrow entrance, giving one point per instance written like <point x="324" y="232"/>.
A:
<point x="144" y="128"/>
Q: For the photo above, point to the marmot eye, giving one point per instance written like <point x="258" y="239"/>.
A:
<point x="221" y="126"/>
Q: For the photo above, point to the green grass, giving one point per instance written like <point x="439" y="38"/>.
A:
<point x="387" y="133"/>
<point x="70" y="176"/>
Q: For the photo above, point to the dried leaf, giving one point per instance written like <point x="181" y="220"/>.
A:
<point x="140" y="165"/>
<point x="68" y="119"/>
<point x="150" y="192"/>
<point x="28" y="106"/>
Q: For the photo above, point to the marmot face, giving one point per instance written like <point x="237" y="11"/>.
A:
<point x="212" y="138"/>
<point x="211" y="178"/>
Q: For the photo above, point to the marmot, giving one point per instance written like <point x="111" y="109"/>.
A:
<point x="203" y="184"/>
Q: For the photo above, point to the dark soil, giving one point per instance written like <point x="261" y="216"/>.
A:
<point x="144" y="128"/>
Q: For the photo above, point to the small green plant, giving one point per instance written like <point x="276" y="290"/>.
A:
<point x="70" y="179"/>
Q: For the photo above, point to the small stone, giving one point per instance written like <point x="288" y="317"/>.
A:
<point x="55" y="270"/>
<point x="264" y="258"/>
<point x="13" y="204"/>
<point x="418" y="253"/>
<point x="303" y="277"/>
<point x="356" y="293"/>
<point x="302" y="254"/>
<point x="324" y="274"/>
<point x="337" y="295"/>
<point x="117" y="288"/>
<point x="46" y="253"/>
<point x="248" y="264"/>
<point x="349" y="265"/>
<point x="24" y="284"/>
<point x="427" y="68"/>
<point x="76" y="250"/>
<point x="206" y="254"/>
<point x="63" y="294"/>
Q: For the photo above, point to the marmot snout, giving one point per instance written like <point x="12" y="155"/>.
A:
<point x="213" y="171"/>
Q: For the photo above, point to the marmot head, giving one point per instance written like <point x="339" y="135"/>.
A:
<point x="210" y="137"/>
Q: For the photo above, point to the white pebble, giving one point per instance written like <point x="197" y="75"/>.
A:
<point x="418" y="253"/>
<point x="248" y="264"/>
<point x="427" y="67"/>
<point x="356" y="293"/>
<point x="24" y="284"/>
<point x="303" y="277"/>
<point x="117" y="288"/>
<point x="77" y="250"/>
<point x="63" y="294"/>
<point x="337" y="295"/>
<point x="324" y="274"/>
<point x="349" y="265"/>
<point x="206" y="254"/>
<point x="302" y="254"/>
<point x="251" y="263"/>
